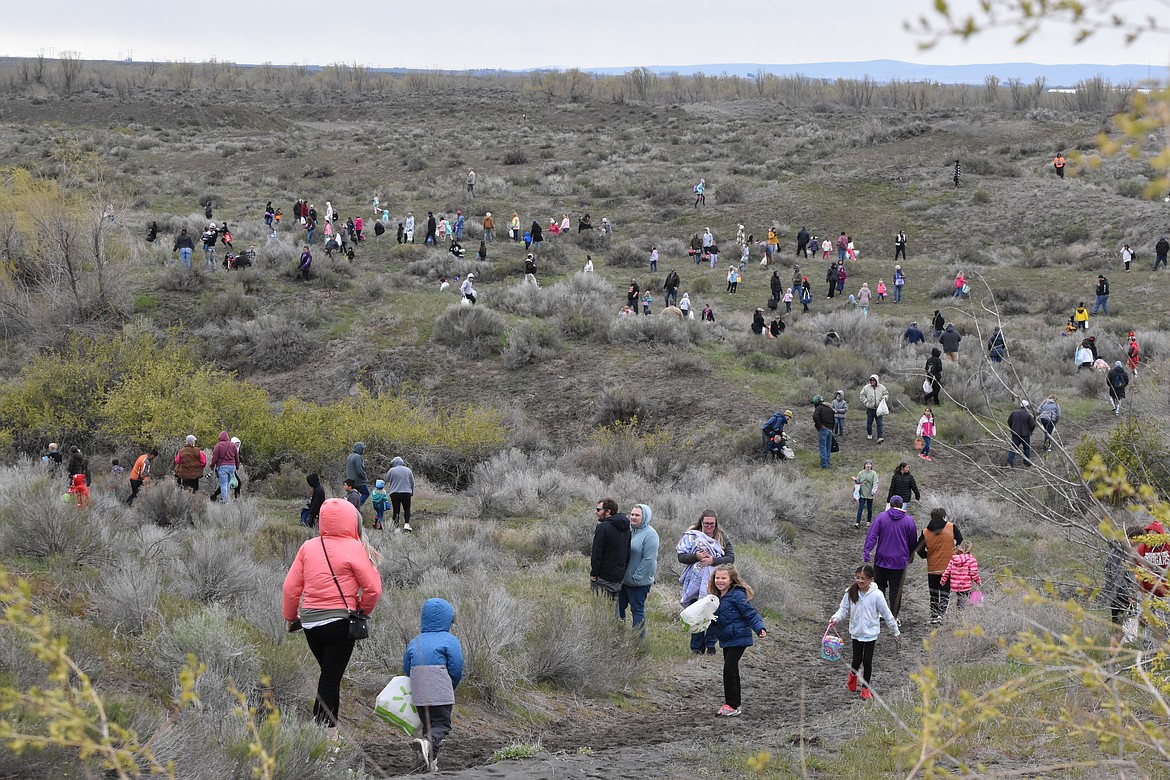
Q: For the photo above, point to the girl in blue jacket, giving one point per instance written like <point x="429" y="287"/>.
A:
<point x="735" y="620"/>
<point x="434" y="663"/>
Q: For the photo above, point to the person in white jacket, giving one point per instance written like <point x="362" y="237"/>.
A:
<point x="866" y="607"/>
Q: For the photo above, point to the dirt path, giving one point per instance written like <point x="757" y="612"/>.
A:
<point x="673" y="717"/>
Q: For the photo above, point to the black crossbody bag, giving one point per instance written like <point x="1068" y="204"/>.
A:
<point x="359" y="622"/>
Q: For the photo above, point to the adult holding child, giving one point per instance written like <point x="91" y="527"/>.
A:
<point x="702" y="547"/>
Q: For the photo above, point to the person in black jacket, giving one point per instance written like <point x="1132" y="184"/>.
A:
<point x="913" y="335"/>
<point x="1161" y="249"/>
<point x="309" y="513"/>
<point x="777" y="286"/>
<point x="903" y="484"/>
<point x="611" y="549"/>
<point x="1021" y="423"/>
<point x="432" y="227"/>
<point x="934" y="374"/>
<point x="1102" y="301"/>
<point x="823" y="422"/>
<point x="802" y="242"/>
<point x="939" y="322"/>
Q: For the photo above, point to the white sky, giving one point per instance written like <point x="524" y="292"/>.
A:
<point x="537" y="33"/>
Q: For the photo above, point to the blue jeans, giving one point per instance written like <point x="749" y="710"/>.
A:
<point x="866" y="504"/>
<point x="634" y="597"/>
<point x="840" y="253"/>
<point x="489" y="234"/>
<point x="185" y="257"/>
<point x="1103" y="301"/>
<point x="897" y="293"/>
<point x="364" y="492"/>
<point x="1049" y="426"/>
<point x="671" y="294"/>
<point x="704" y="640"/>
<point x="926" y="444"/>
<point x="224" y="474"/>
<point x="1024" y="446"/>
<point x="209" y="255"/>
<point x="870" y="416"/>
<point x="825" y="442"/>
<point x="838" y="426"/>
<point x="1160" y="259"/>
<point x="309" y="235"/>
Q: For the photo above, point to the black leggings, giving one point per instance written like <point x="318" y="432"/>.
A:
<point x="400" y="502"/>
<point x="332" y="647"/>
<point x="731" y="691"/>
<point x="863" y="658"/>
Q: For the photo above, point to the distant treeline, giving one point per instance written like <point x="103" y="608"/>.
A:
<point x="69" y="74"/>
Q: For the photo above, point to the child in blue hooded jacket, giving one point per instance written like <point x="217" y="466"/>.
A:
<point x="434" y="663"/>
<point x="641" y="568"/>
<point x="735" y="621"/>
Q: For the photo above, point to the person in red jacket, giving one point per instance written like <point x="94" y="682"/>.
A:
<point x="1155" y="558"/>
<point x="332" y="575"/>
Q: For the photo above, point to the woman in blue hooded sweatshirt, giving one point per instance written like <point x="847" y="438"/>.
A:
<point x="641" y="568"/>
<point x="434" y="663"/>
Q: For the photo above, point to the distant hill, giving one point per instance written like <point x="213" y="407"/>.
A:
<point x="887" y="70"/>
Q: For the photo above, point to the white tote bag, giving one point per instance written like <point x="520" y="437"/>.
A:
<point x="395" y="706"/>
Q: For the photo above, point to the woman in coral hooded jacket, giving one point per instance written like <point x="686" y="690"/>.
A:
<point x="319" y="605"/>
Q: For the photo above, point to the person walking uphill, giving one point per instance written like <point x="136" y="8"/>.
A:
<point x="331" y="576"/>
<point x="1022" y="423"/>
<point x="640" y="569"/>
<point x="874" y="398"/>
<point x="611" y="549"/>
<point x="189" y="464"/>
<point x="434" y="663"/>
<point x="1102" y="301"/>
<point x="891" y="540"/>
<point x="140" y="473"/>
<point x="950" y="339"/>
<point x="225" y="459"/>
<point x="355" y="469"/>
<point x="400" y="487"/>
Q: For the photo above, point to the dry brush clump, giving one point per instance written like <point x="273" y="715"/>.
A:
<point x="474" y="331"/>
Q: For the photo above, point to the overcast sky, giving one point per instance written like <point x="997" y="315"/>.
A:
<point x="535" y="33"/>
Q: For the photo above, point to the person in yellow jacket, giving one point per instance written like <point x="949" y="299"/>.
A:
<point x="1081" y="317"/>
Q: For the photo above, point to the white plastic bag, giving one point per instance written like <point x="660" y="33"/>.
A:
<point x="394" y="705"/>
<point x="787" y="452"/>
<point x="927" y="387"/>
<point x="699" y="615"/>
<point x="882" y="408"/>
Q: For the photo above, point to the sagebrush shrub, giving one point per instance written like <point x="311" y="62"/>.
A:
<point x="270" y="342"/>
<point x="657" y="329"/>
<point x="215" y="570"/>
<point x="164" y="503"/>
<point x="475" y="331"/>
<point x="126" y="599"/>
<point x="41" y="520"/>
<point x="582" y="649"/>
<point x="528" y="344"/>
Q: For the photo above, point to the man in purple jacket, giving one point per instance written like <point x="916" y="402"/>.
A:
<point x="894" y="535"/>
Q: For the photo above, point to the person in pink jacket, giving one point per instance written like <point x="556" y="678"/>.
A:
<point x="331" y="575"/>
<point x="962" y="574"/>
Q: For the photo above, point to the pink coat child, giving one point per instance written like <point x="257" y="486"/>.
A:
<point x="962" y="573"/>
<point x="881" y="291"/>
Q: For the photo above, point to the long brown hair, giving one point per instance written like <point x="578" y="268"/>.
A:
<point x="736" y="580"/>
<point x="855" y="589"/>
<point x="698" y="526"/>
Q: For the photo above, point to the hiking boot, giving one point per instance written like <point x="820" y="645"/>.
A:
<point x="406" y="527"/>
<point x="865" y="694"/>
<point x="851" y="683"/>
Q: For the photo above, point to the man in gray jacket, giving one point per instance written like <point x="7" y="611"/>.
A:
<point x="400" y="486"/>
<point x="355" y="469"/>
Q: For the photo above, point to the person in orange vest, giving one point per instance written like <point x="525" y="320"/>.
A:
<point x="1058" y="164"/>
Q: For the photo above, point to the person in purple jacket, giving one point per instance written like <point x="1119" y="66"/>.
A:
<point x="891" y="540"/>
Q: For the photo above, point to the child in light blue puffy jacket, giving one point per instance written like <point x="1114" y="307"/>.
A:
<point x="434" y="663"/>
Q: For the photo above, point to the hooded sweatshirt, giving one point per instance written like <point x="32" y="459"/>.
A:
<point x="309" y="589"/>
<point x="840" y="405"/>
<point x="611" y="549"/>
<point x="318" y="497"/>
<point x="871" y="395"/>
<point x="399" y="479"/>
<point x="950" y="339"/>
<point x="355" y="468"/>
<point x="894" y="535"/>
<point x="643" y="553"/>
<point x="866" y="615"/>
<point x="225" y="453"/>
<point x="434" y="659"/>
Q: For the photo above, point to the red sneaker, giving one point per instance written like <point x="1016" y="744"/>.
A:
<point x="865" y="694"/>
<point x="851" y="683"/>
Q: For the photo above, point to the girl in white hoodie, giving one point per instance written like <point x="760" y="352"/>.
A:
<point x="865" y="606"/>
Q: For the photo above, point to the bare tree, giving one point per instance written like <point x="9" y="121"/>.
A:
<point x="71" y="64"/>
